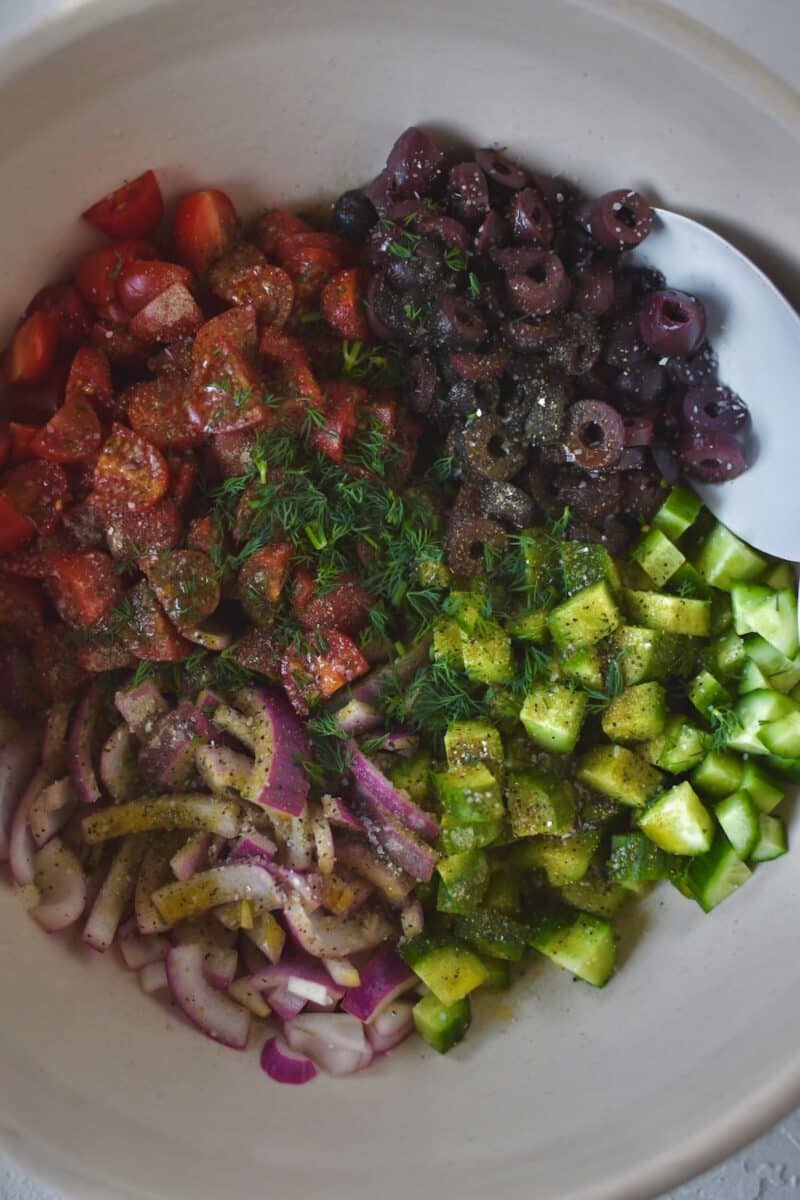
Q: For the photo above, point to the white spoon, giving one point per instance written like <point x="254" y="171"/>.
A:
<point x="756" y="334"/>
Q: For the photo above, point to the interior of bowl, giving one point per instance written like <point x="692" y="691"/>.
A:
<point x="569" y="1094"/>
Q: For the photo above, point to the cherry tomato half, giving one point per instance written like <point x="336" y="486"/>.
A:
<point x="33" y="348"/>
<point x="97" y="273"/>
<point x="205" y="227"/>
<point x="131" y="211"/>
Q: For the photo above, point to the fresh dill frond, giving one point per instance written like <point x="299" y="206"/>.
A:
<point x="456" y="259"/>
<point x="724" y="723"/>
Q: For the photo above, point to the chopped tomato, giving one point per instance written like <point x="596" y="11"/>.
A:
<point x="136" y="535"/>
<point x="343" y="401"/>
<point x="150" y="635"/>
<point x="81" y="477"/>
<point x="131" y="211"/>
<point x="185" y="584"/>
<point x="71" y="435"/>
<point x="21" y="438"/>
<point x="277" y="346"/>
<point x="204" y="534"/>
<point x="63" y="300"/>
<point x="84" y="586"/>
<point x="226" y="388"/>
<point x="85" y="524"/>
<point x="6" y="443"/>
<point x="97" y="656"/>
<point x="21" y="607"/>
<point x="255" y="651"/>
<point x="310" y="268"/>
<point x="143" y="280"/>
<point x="304" y="586"/>
<point x="157" y="410"/>
<point x="205" y="227"/>
<point x="266" y="289"/>
<point x="98" y="271"/>
<point x="182" y="479"/>
<point x="298" y="680"/>
<point x="55" y="664"/>
<point x="337" y="251"/>
<point x="261" y="581"/>
<point x="120" y="346"/>
<point x="33" y="348"/>
<point x="331" y="660"/>
<point x="33" y="561"/>
<point x="173" y="314"/>
<point x="297" y="383"/>
<point x="175" y="359"/>
<point x="131" y="475"/>
<point x="275" y="225"/>
<point x="36" y="490"/>
<point x="345" y="607"/>
<point x="90" y="379"/>
<point x="235" y="329"/>
<point x="342" y="304"/>
<point x="233" y="452"/>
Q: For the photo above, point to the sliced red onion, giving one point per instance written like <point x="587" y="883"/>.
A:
<point x="192" y="856"/>
<point x="283" y="1065"/>
<point x="252" y="845"/>
<point x="295" y="835"/>
<point x="380" y="796"/>
<point x="323" y="840"/>
<point x="345" y="892"/>
<point x="399" y="741"/>
<point x="219" y="966"/>
<point x="267" y="936"/>
<point x="285" y="1004"/>
<point x="326" y="936"/>
<point x="221" y="768"/>
<point x="412" y="919"/>
<point x="393" y="883"/>
<point x="371" y="688"/>
<point x="301" y="976"/>
<point x="384" y="978"/>
<point x="231" y="721"/>
<point x="210" y="635"/>
<point x="343" y="972"/>
<point x="21" y="846"/>
<point x="153" y="977"/>
<point x="400" y="845"/>
<point x="281" y="743"/>
<point x="10" y="727"/>
<point x="356" y="717"/>
<point x="253" y="958"/>
<point x="246" y="880"/>
<point x="141" y="708"/>
<point x="139" y="950"/>
<point x="205" y="929"/>
<point x="18" y="759"/>
<point x="119" y="769"/>
<point x="212" y="1011"/>
<point x="61" y="885"/>
<point x="56" y="727"/>
<point x="81" y="735"/>
<point x="241" y="991"/>
<point x="51" y="810"/>
<point x="154" y="872"/>
<point x="208" y="701"/>
<point x="307" y="885"/>
<point x="334" y="1041"/>
<point x="167" y="758"/>
<point x="116" y="893"/>
<point x="338" y="812"/>
<point x="179" y="810"/>
<point x="390" y="1027"/>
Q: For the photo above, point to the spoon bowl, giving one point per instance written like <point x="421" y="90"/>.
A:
<point x="756" y="334"/>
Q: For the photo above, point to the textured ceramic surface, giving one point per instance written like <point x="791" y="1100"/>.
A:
<point x="574" y="1095"/>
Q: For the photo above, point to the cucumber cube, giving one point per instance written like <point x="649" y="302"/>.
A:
<point x="725" y="560"/>
<point x="717" y="874"/>
<point x="680" y="510"/>
<point x="586" y="946"/>
<point x="739" y="818"/>
<point x="753" y="712"/>
<point x="679" y="822"/>
<point x="505" y="890"/>
<point x="585" y="563"/>
<point x="474" y="741"/>
<point x="764" y="791"/>
<point x="726" y="656"/>
<point x="780" y="575"/>
<point x="585" y="618"/>
<point x="487" y="654"/>
<point x="563" y="859"/>
<point x="447" y="642"/>
<point x="671" y="614"/>
<point x="530" y="627"/>
<point x="752" y="678"/>
<point x="687" y="581"/>
<point x="457" y="838"/>
<point x="493" y="934"/>
<point x="470" y="794"/>
<point x="585" y="667"/>
<point x="449" y="968"/>
<point x="782" y="737"/>
<point x="441" y="1025"/>
<point x="680" y="747"/>
<point x="719" y="774"/>
<point x="657" y="556"/>
<point x="619" y="773"/>
<point x="772" y="842"/>
<point x="553" y="715"/>
<point x="637" y="714"/>
<point x="706" y="692"/>
<point x="783" y="673"/>
<point x="541" y="561"/>
<point x="466" y="877"/>
<point x="597" y="896"/>
<point x="498" y="975"/>
<point x="646" y="654"/>
<point x="413" y="775"/>
<point x="539" y="802"/>
<point x="770" y="613"/>
<point x="466" y="609"/>
<point x="635" y="859"/>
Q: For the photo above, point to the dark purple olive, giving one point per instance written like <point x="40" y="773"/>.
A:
<point x="639" y="384"/>
<point x="529" y="336"/>
<point x="644" y="492"/>
<point x="377" y="249"/>
<point x="578" y="347"/>
<point x="515" y="260"/>
<point x="672" y="323"/>
<point x="557" y="192"/>
<point x="633" y="458"/>
<point x="494" y="231"/>
<point x="576" y="247"/>
<point x="634" y="283"/>
<point x="507" y="503"/>
<point x="593" y="291"/>
<point x="477" y="367"/>
<point x="694" y="371"/>
<point x="422" y="384"/>
<point x="418" y="269"/>
<point x="456" y="323"/>
<point x="712" y="459"/>
<point x="588" y="497"/>
<point x="468" y="192"/>
<point x="386" y="313"/>
<point x="461" y="400"/>
<point x="354" y="214"/>
<point x="486" y="448"/>
<point x="382" y="192"/>
<point x="713" y="410"/>
<point x="618" y="220"/>
<point x="530" y="218"/>
<point x="447" y="230"/>
<point x="501" y="170"/>
<point x="595" y="435"/>
<point x="468" y="536"/>
<point x="639" y="431"/>
<point x="624" y="344"/>
<point x="543" y="289"/>
<point x="415" y="163"/>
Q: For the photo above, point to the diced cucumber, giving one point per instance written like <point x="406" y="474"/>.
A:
<point x="530" y="627"/>
<point x="719" y="774"/>
<point x="505" y="890"/>
<point x="725" y="656"/>
<point x="470" y="794"/>
<point x="753" y="712"/>
<point x="772" y="841"/>
<point x="716" y="875"/>
<point x="466" y="609"/>
<point x="563" y="859"/>
<point x="539" y="802"/>
<point x="585" y="667"/>
<point x="449" y="968"/>
<point x="541" y="559"/>
<point x="752" y="678"/>
<point x="446" y="902"/>
<point x="466" y="877"/>
<point x="782" y="737"/>
<point x="474" y="741"/>
<point x="553" y="714"/>
<point x="413" y="775"/>
<point x="780" y="575"/>
<point x="595" y="895"/>
<point x="447" y="642"/>
<point x="739" y="818"/>
<point x="441" y="1025"/>
<point x="637" y="714"/>
<point x="672" y="614"/>
<point x="724" y="559"/>
<point x="680" y="747"/>
<point x="783" y="673"/>
<point x="657" y="556"/>
<point x="487" y="653"/>
<point x="679" y="822"/>
<point x="635" y="859"/>
<point x="585" y="563"/>
<point x="764" y="791"/>
<point x="493" y="934"/>
<point x="680" y="510"/>
<point x="687" y="581"/>
<point x="770" y="613"/>
<point x="721" y="612"/>
<point x="647" y="654"/>
<point x="706" y="692"/>
<point x="457" y="838"/>
<point x="498" y="975"/>
<point x="619" y="773"/>
<point x="502" y="705"/>
<point x="787" y="768"/>
<point x="585" y="946"/>
<point x="584" y="619"/>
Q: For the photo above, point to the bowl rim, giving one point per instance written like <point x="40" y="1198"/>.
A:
<point x="731" y="65"/>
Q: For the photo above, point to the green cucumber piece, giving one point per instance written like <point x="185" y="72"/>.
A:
<point x="752" y="678"/>
<point x="474" y="741"/>
<point x="449" y="968"/>
<point x="680" y="747"/>
<point x="678" y="821"/>
<point x="719" y="774"/>
<point x="770" y="613"/>
<point x="637" y="714"/>
<point x="765" y="792"/>
<point x="772" y="841"/>
<point x="657" y="556"/>
<point x="716" y="875"/>
<point x="680" y="510"/>
<point x="782" y="737"/>
<point x="780" y="575"/>
<point x="458" y="838"/>
<point x="619" y="773"/>
<point x="739" y="818"/>
<point x="725" y="560"/>
<point x="647" y="654"/>
<point x="442" y="1025"/>
<point x="530" y="627"/>
<point x="563" y="859"/>
<point x="687" y="581"/>
<point x="706" y="692"/>
<point x="413" y="775"/>
<point x="465" y="876"/>
<point x="505" y="890"/>
<point x="487" y="655"/>
<point x="541" y="560"/>
<point x="553" y="714"/>
<point x="584" y="619"/>
<point x="783" y="673"/>
<point x="585" y="946"/>
<point x="584" y="667"/>
<point x="753" y="712"/>
<point x="539" y="802"/>
<point x="493" y="934"/>
<point x="671" y="614"/>
<point x="470" y="794"/>
<point x="498" y="975"/>
<point x="447" y="642"/>
<point x="635" y="859"/>
<point x="725" y="656"/>
<point x="600" y="897"/>
<point x="585" y="563"/>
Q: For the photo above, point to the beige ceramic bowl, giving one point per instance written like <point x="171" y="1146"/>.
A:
<point x="572" y="1094"/>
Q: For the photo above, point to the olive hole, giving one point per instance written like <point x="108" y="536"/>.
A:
<point x="592" y="435"/>
<point x="496" y="446"/>
<point x="675" y="312"/>
<point x="626" y="216"/>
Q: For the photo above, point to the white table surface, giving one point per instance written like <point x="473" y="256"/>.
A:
<point x="769" y="1169"/>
